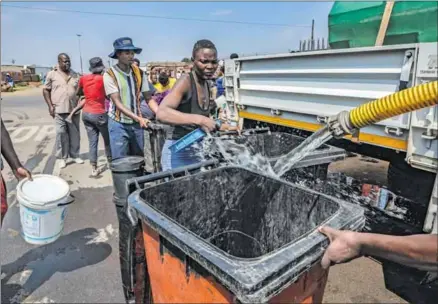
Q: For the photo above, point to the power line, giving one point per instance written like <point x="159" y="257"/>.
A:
<point x="155" y="17"/>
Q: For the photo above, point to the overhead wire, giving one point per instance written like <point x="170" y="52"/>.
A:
<point x="155" y="16"/>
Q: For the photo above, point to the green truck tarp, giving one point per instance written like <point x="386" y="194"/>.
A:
<point x="356" y="24"/>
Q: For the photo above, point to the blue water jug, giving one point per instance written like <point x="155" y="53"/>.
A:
<point x="191" y="138"/>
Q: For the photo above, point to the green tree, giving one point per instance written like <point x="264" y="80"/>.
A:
<point x="185" y="59"/>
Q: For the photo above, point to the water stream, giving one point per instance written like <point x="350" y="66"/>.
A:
<point x="286" y="162"/>
<point x="240" y="154"/>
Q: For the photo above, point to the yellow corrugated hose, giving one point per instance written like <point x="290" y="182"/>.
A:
<point x="412" y="99"/>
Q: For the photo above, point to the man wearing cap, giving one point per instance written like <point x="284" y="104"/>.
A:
<point x="59" y="93"/>
<point x="125" y="83"/>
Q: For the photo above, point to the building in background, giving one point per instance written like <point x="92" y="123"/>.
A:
<point x="175" y="68"/>
<point x="24" y="73"/>
<point x="41" y="70"/>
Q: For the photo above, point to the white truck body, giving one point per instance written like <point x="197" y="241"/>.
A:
<point x="300" y="90"/>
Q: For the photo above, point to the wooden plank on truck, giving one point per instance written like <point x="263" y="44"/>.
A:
<point x="384" y="23"/>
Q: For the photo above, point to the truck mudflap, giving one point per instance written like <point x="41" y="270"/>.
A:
<point x="415" y="286"/>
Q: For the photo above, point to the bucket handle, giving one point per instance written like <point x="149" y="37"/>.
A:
<point x="71" y="200"/>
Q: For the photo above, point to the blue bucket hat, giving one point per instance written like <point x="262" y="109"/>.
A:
<point x="124" y="44"/>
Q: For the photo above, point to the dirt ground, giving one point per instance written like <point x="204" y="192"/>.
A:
<point x="365" y="169"/>
<point x="30" y="90"/>
<point x="360" y="281"/>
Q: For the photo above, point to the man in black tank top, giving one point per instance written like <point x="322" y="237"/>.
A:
<point x="189" y="105"/>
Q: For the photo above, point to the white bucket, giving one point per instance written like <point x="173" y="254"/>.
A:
<point x="43" y="206"/>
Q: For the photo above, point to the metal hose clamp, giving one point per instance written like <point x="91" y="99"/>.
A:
<point x="340" y="124"/>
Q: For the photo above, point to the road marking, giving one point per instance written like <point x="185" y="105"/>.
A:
<point x="37" y="133"/>
<point x="103" y="235"/>
<point x="43" y="300"/>
<point x="56" y="168"/>
<point x="12" y="197"/>
<point x="31" y="130"/>
<point x="12" y="233"/>
<point x="25" y="274"/>
<point x="45" y="130"/>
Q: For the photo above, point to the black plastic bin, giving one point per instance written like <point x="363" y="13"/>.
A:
<point x="123" y="169"/>
<point x="248" y="235"/>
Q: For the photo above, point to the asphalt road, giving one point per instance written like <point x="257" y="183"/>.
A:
<point x="83" y="265"/>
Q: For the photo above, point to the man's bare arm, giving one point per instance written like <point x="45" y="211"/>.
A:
<point x="153" y="105"/>
<point x="8" y="152"/>
<point x="419" y="251"/>
<point x="80" y="105"/>
<point x="48" y="100"/>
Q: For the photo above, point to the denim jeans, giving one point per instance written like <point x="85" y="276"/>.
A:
<point x="95" y="124"/>
<point x="125" y="139"/>
<point x="186" y="157"/>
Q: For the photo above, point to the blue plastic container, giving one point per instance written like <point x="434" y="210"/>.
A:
<point x="190" y="139"/>
<point x="187" y="140"/>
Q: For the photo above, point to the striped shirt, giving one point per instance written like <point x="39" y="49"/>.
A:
<point x="126" y="86"/>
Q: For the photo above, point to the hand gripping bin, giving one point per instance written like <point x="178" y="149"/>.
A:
<point x="227" y="234"/>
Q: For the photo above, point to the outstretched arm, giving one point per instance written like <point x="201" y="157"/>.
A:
<point x="419" y="251"/>
<point x="79" y="94"/>
<point x="10" y="155"/>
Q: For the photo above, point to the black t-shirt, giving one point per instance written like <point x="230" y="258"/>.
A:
<point x="189" y="104"/>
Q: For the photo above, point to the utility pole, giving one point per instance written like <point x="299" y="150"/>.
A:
<point x="80" y="53"/>
<point x="311" y="35"/>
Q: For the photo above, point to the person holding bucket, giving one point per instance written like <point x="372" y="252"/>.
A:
<point x="20" y="172"/>
<point x="94" y="114"/>
<point x="190" y="103"/>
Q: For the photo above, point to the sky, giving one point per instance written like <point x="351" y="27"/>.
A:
<point x="38" y="36"/>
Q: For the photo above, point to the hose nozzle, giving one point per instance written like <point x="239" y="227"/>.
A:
<point x="340" y="124"/>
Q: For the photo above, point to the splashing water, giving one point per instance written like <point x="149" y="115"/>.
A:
<point x="239" y="154"/>
<point x="286" y="162"/>
<point x="234" y="153"/>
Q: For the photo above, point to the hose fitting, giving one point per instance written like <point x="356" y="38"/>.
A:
<point x="340" y="124"/>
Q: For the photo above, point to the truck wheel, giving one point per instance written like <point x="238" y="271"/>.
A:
<point x="409" y="182"/>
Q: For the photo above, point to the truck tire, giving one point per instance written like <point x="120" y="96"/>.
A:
<point x="411" y="183"/>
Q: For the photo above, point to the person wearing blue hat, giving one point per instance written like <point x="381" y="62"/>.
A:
<point x="125" y="85"/>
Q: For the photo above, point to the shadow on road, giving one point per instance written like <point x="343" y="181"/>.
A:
<point x="76" y="250"/>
